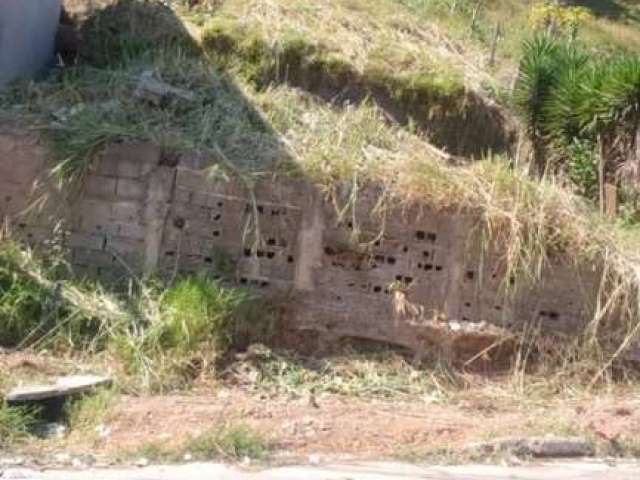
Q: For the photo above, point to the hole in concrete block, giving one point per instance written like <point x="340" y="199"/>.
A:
<point x="179" y="223"/>
<point x="426" y="254"/>
<point x="467" y="304"/>
<point x="217" y="217"/>
<point x="512" y="281"/>
<point x="420" y="235"/>
<point x="351" y="284"/>
<point x="329" y="251"/>
<point x="260" y="254"/>
<point x="432" y="237"/>
<point x="350" y="225"/>
<point x="420" y="265"/>
<point x="466" y="319"/>
<point x="264" y="284"/>
<point x="275" y="212"/>
<point x="438" y="268"/>
<point x="260" y="209"/>
<point x="470" y="275"/>
<point x="364" y="286"/>
<point x="408" y="280"/>
<point x="271" y="255"/>
<point x="169" y="253"/>
<point x="543" y="313"/>
<point x="554" y="315"/>
<point x="208" y="260"/>
<point x="220" y="204"/>
<point x="428" y="267"/>
<point x="216" y="233"/>
<point x="405" y="249"/>
<point x="391" y="260"/>
<point x="376" y="243"/>
<point x="498" y="308"/>
<point x="398" y="278"/>
<point x="271" y="241"/>
<point x="244" y="280"/>
<point x="22" y="226"/>
<point x="247" y="252"/>
<point x="379" y="258"/>
<point x="290" y="259"/>
<point x="377" y="289"/>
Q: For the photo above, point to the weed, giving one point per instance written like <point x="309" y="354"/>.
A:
<point x="381" y="375"/>
<point x="90" y="411"/>
<point x="154" y="452"/>
<point x="15" y="425"/>
<point x="231" y="442"/>
<point x="183" y="330"/>
<point x="33" y="307"/>
<point x="165" y="336"/>
<point x="128" y="29"/>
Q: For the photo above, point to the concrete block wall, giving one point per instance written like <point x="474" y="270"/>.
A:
<point x="421" y="272"/>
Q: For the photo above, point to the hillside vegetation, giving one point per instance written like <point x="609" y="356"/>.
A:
<point x="405" y="94"/>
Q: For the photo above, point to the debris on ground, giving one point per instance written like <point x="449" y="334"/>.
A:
<point x="546" y="447"/>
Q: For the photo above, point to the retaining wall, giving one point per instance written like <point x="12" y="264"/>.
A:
<point x="424" y="281"/>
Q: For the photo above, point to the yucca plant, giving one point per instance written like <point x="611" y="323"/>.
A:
<point x="537" y="76"/>
<point x="565" y="96"/>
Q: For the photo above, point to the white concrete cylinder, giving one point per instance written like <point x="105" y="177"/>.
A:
<point x="27" y="37"/>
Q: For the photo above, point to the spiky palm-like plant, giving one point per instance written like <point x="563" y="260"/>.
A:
<point x="566" y="96"/>
<point x="537" y="76"/>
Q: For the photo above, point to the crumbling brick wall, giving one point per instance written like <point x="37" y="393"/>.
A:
<point x="423" y="280"/>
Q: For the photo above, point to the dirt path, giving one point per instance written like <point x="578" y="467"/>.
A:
<point x="339" y="427"/>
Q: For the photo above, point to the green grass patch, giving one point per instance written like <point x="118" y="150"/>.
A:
<point x="162" y="335"/>
<point x="33" y="312"/>
<point x="231" y="442"/>
<point x="15" y="425"/>
<point x="182" y="330"/>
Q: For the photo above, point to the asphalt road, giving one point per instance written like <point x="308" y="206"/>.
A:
<point x="358" y="471"/>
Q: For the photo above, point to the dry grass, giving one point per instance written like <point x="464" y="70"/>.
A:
<point x="282" y="129"/>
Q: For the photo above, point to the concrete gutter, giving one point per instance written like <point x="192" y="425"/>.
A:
<point x="27" y="37"/>
<point x="358" y="471"/>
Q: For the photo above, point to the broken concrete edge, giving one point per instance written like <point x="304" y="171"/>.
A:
<point x="537" y="447"/>
<point x="64" y="386"/>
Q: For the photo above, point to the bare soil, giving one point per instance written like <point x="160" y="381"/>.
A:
<point x="363" y="428"/>
<point x="338" y="426"/>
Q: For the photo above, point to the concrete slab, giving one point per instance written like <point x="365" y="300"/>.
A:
<point x="65" y="386"/>
<point x="359" y="471"/>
